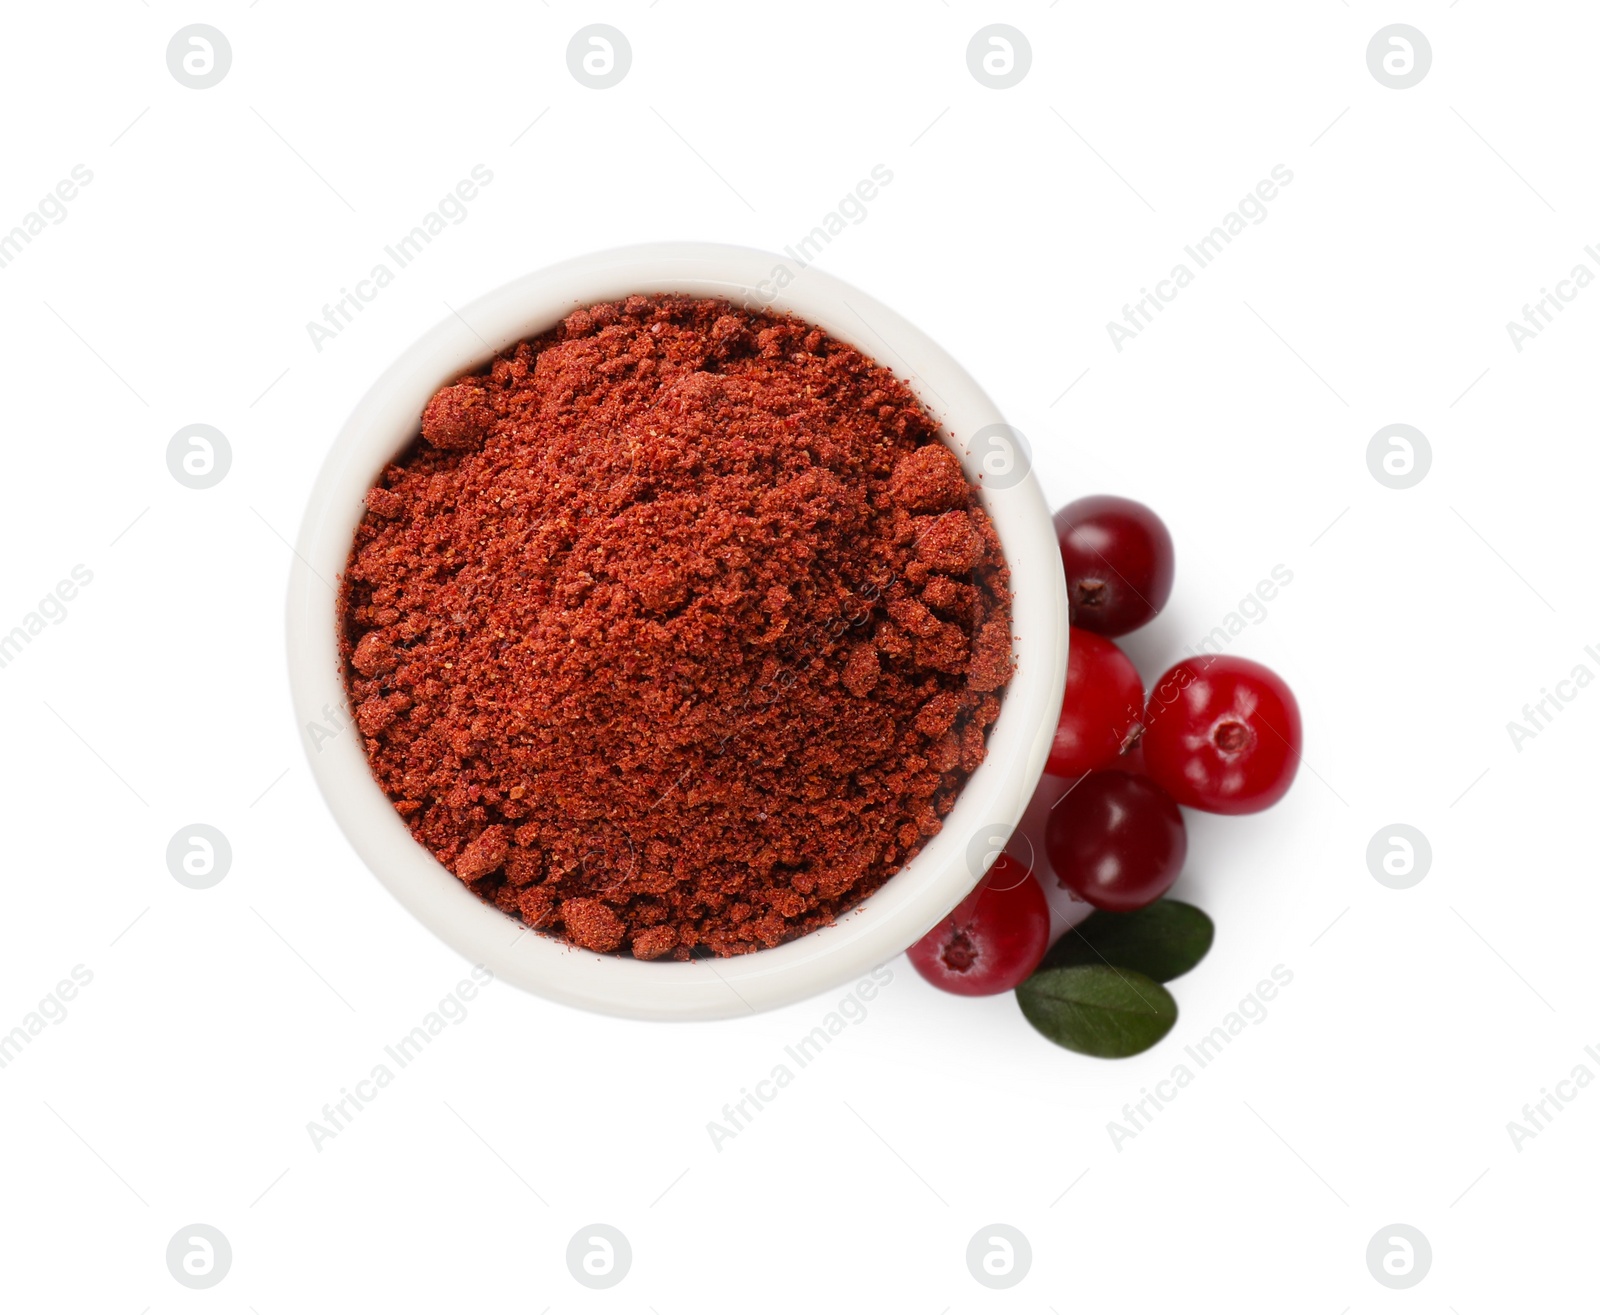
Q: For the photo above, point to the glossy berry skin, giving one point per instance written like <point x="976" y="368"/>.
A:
<point x="993" y="939"/>
<point x="1222" y="734"/>
<point x="1119" y="563"/>
<point x="1116" y="841"/>
<point x="1103" y="704"/>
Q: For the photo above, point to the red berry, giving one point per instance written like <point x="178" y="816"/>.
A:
<point x="1116" y="841"/>
<point x="1119" y="562"/>
<point x="1222" y="734"/>
<point x="1104" y="702"/>
<point x="993" y="939"/>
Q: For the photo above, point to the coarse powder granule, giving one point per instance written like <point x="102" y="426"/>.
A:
<point x="678" y="629"/>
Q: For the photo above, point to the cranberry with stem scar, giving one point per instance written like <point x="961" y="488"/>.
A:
<point x="1222" y="734"/>
<point x="1102" y="708"/>
<point x="993" y="939"/>
<point x="1119" y="563"/>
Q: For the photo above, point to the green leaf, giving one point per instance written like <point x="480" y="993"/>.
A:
<point x="1163" y="940"/>
<point x="1096" y="1010"/>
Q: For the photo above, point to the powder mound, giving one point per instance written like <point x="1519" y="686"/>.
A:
<point x="677" y="631"/>
<point x="483" y="855"/>
<point x="929" y="479"/>
<point x="374" y="655"/>
<point x="592" y="925"/>
<point x="457" y="417"/>
<point x="948" y="543"/>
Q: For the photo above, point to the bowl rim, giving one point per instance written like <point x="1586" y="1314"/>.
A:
<point x="991" y="802"/>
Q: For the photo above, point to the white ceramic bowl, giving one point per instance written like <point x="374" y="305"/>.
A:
<point x="897" y="914"/>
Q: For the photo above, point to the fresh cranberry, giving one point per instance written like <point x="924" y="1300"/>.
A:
<point x="993" y="939"/>
<point x="1103" y="706"/>
<point x="1119" y="562"/>
<point x="1116" y="841"/>
<point x="1222" y="734"/>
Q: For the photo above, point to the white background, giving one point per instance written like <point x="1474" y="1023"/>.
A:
<point x="1418" y="623"/>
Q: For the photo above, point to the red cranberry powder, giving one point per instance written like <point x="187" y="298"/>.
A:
<point x="678" y="629"/>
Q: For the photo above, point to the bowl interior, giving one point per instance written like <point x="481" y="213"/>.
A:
<point x="991" y="802"/>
